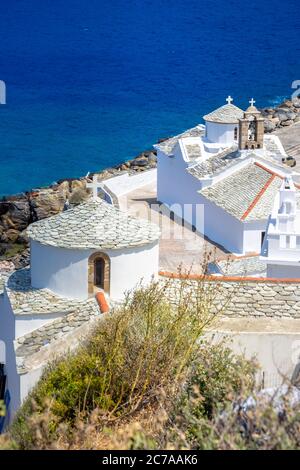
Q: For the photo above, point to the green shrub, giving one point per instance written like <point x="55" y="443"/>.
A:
<point x="141" y="348"/>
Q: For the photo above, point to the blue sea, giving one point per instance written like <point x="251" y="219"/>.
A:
<point x="91" y="83"/>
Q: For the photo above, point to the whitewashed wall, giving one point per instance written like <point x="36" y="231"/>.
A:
<point x="175" y="186"/>
<point x="130" y="266"/>
<point x="65" y="271"/>
<point x="275" y="352"/>
<point x="221" y="133"/>
<point x="120" y="185"/>
<point x="7" y="334"/>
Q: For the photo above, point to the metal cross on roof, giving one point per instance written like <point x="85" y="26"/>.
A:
<point x="95" y="185"/>
<point x="252" y="101"/>
<point x="229" y="99"/>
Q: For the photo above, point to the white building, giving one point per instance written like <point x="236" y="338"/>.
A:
<point x="230" y="169"/>
<point x="76" y="254"/>
<point x="222" y="127"/>
<point x="281" y="249"/>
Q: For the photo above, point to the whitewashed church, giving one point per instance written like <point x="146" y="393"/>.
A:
<point x="230" y="168"/>
<point x="91" y="249"/>
<point x="93" y="253"/>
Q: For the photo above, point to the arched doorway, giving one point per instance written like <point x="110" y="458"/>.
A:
<point x="99" y="273"/>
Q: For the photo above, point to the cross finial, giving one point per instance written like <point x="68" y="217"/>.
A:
<point x="252" y="101"/>
<point x="95" y="185"/>
<point x="229" y="99"/>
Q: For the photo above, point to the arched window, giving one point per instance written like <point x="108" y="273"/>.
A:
<point x="99" y="266"/>
<point x="98" y="273"/>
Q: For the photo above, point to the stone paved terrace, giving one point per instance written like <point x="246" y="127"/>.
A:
<point x="290" y="138"/>
<point x="178" y="245"/>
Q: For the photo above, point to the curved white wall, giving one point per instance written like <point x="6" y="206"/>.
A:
<point x="221" y="133"/>
<point x="128" y="267"/>
<point x="65" y="271"/>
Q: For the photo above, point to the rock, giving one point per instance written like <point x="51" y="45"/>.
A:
<point x="21" y="260"/>
<point x="281" y="116"/>
<point x="297" y="119"/>
<point x="269" y="125"/>
<point x="291" y="115"/>
<point x="287" y="103"/>
<point x="275" y="121"/>
<point x="11" y="236"/>
<point x="296" y="103"/>
<point x="46" y="203"/>
<point x="142" y="161"/>
<point x="289" y="122"/>
<point x="152" y="157"/>
<point x="78" y="184"/>
<point x="15" y="214"/>
<point x="78" y="196"/>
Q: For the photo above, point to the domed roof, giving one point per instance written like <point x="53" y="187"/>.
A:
<point x="227" y="114"/>
<point x="93" y="225"/>
<point x="252" y="109"/>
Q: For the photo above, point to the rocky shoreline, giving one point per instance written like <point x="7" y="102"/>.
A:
<point x="284" y="115"/>
<point x="20" y="210"/>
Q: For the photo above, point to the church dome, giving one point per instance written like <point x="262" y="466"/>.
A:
<point x="93" y="225"/>
<point x="227" y="114"/>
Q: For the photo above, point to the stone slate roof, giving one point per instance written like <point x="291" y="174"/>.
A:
<point x="214" y="164"/>
<point x="27" y="300"/>
<point x="32" y="342"/>
<point x="227" y="114"/>
<point x="243" y="266"/>
<point x="193" y="151"/>
<point x="93" y="225"/>
<point x="167" y="146"/>
<point x="247" y="194"/>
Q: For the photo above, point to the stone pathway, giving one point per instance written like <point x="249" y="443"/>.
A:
<point x="178" y="245"/>
<point x="290" y="138"/>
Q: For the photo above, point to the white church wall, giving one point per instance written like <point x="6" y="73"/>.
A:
<point x="130" y="266"/>
<point x="64" y="271"/>
<point x="28" y="381"/>
<point x="7" y="334"/>
<point x="27" y="323"/>
<point x="221" y="133"/>
<point x="253" y="236"/>
<point x="120" y="185"/>
<point x="221" y="227"/>
<point x="176" y="186"/>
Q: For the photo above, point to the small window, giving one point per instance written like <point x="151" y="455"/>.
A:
<point x="298" y="242"/>
<point x="235" y="133"/>
<point x="288" y="241"/>
<point x="99" y="265"/>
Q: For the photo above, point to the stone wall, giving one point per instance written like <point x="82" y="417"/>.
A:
<point x="255" y="297"/>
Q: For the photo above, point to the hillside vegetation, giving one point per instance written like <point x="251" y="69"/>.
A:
<point x="146" y="378"/>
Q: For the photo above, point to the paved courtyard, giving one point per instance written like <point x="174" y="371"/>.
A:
<point x="179" y="245"/>
<point x="290" y="138"/>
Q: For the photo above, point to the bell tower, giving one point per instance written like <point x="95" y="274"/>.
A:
<point x="251" y="129"/>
